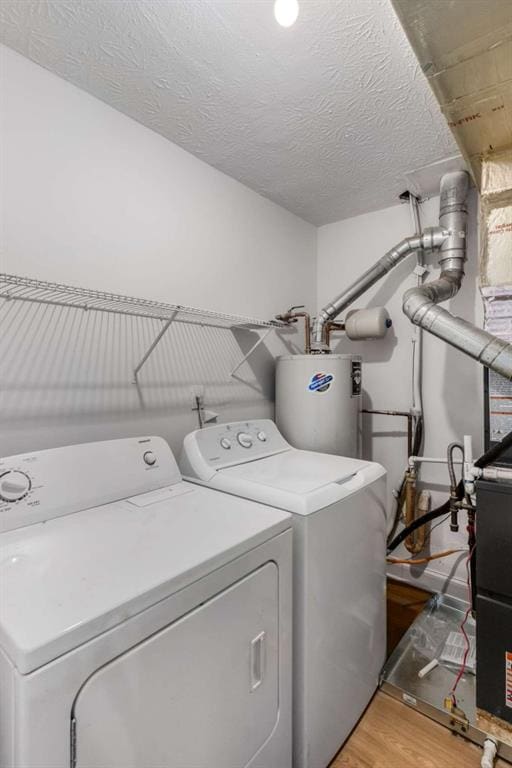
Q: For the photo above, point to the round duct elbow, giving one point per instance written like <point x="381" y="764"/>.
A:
<point x="415" y="304"/>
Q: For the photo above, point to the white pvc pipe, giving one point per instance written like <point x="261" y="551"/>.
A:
<point x="417" y="335"/>
<point x="489" y="755"/>
<point x="428" y="668"/>
<point x="430" y="460"/>
<point x="496" y="473"/>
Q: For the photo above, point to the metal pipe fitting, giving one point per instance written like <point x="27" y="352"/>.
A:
<point x="420" y="303"/>
<point x="291" y="316"/>
<point x="406" y="415"/>
<point x="454" y="497"/>
<point x="430" y="238"/>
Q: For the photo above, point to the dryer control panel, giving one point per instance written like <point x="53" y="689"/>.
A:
<point x="44" y="484"/>
<point x="225" y="445"/>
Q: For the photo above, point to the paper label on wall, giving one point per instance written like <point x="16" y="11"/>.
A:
<point x="508" y="679"/>
<point x="500" y="406"/>
<point x="498" y="321"/>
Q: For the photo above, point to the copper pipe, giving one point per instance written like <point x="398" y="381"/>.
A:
<point x="406" y="415"/>
<point x="291" y="317"/>
<point x="422" y="560"/>
<point x="410" y="508"/>
<point x="415" y="542"/>
<point x="329" y="328"/>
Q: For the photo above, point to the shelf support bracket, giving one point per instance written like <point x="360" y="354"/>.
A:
<point x="249" y="353"/>
<point x="158" y="339"/>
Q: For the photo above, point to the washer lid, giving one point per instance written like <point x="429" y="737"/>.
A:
<point x="297" y="471"/>
<point x="70" y="579"/>
<point x="298" y="481"/>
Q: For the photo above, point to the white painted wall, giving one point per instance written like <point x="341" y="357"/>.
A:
<point x="93" y="198"/>
<point x="452" y="382"/>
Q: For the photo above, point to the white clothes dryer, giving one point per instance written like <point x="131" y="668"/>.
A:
<point x="339" y="519"/>
<point x="144" y="621"/>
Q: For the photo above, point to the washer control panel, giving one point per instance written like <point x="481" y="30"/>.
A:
<point x="224" y="445"/>
<point x="39" y="486"/>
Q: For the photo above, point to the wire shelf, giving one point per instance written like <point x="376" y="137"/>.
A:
<point x="17" y="288"/>
<point x="14" y="287"/>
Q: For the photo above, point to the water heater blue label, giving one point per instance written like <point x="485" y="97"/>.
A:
<point x="320" y="382"/>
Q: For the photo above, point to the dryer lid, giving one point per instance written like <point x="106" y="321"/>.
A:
<point x="66" y="581"/>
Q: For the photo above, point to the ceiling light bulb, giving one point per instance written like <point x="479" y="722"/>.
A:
<point x="286" y="12"/>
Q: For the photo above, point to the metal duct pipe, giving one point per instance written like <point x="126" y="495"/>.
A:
<point x="420" y="303"/>
<point x="430" y="238"/>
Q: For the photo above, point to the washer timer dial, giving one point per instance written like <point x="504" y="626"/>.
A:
<point x="14" y="485"/>
<point x="150" y="458"/>
<point x="245" y="439"/>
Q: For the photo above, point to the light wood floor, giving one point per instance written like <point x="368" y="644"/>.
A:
<point x="391" y="735"/>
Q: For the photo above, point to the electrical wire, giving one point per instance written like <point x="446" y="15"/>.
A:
<point x="464" y="633"/>
<point x="432" y="529"/>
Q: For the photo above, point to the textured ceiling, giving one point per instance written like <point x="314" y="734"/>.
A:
<point x="324" y="118"/>
<point x="469" y="67"/>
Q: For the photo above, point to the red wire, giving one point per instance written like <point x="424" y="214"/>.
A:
<point x="463" y="630"/>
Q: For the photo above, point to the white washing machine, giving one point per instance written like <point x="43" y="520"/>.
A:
<point x="339" y="519"/>
<point x="144" y="622"/>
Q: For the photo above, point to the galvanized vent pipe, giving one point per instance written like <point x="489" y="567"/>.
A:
<point x="430" y="238"/>
<point x="420" y="303"/>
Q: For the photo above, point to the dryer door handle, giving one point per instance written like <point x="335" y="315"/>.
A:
<point x="257" y="660"/>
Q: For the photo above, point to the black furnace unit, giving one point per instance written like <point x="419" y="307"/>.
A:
<point x="494" y="598"/>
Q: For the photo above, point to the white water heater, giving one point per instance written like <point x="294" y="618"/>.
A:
<point x="318" y="402"/>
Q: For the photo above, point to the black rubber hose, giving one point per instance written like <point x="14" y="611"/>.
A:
<point x="444" y="509"/>
<point x="495" y="452"/>
<point x="487" y="458"/>
<point x="418" y="437"/>
<point x="398" y="510"/>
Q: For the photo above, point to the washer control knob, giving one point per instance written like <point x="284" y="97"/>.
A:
<point x="14" y="485"/>
<point x="225" y="443"/>
<point x="262" y="436"/>
<point x="244" y="439"/>
<point x="150" y="458"/>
